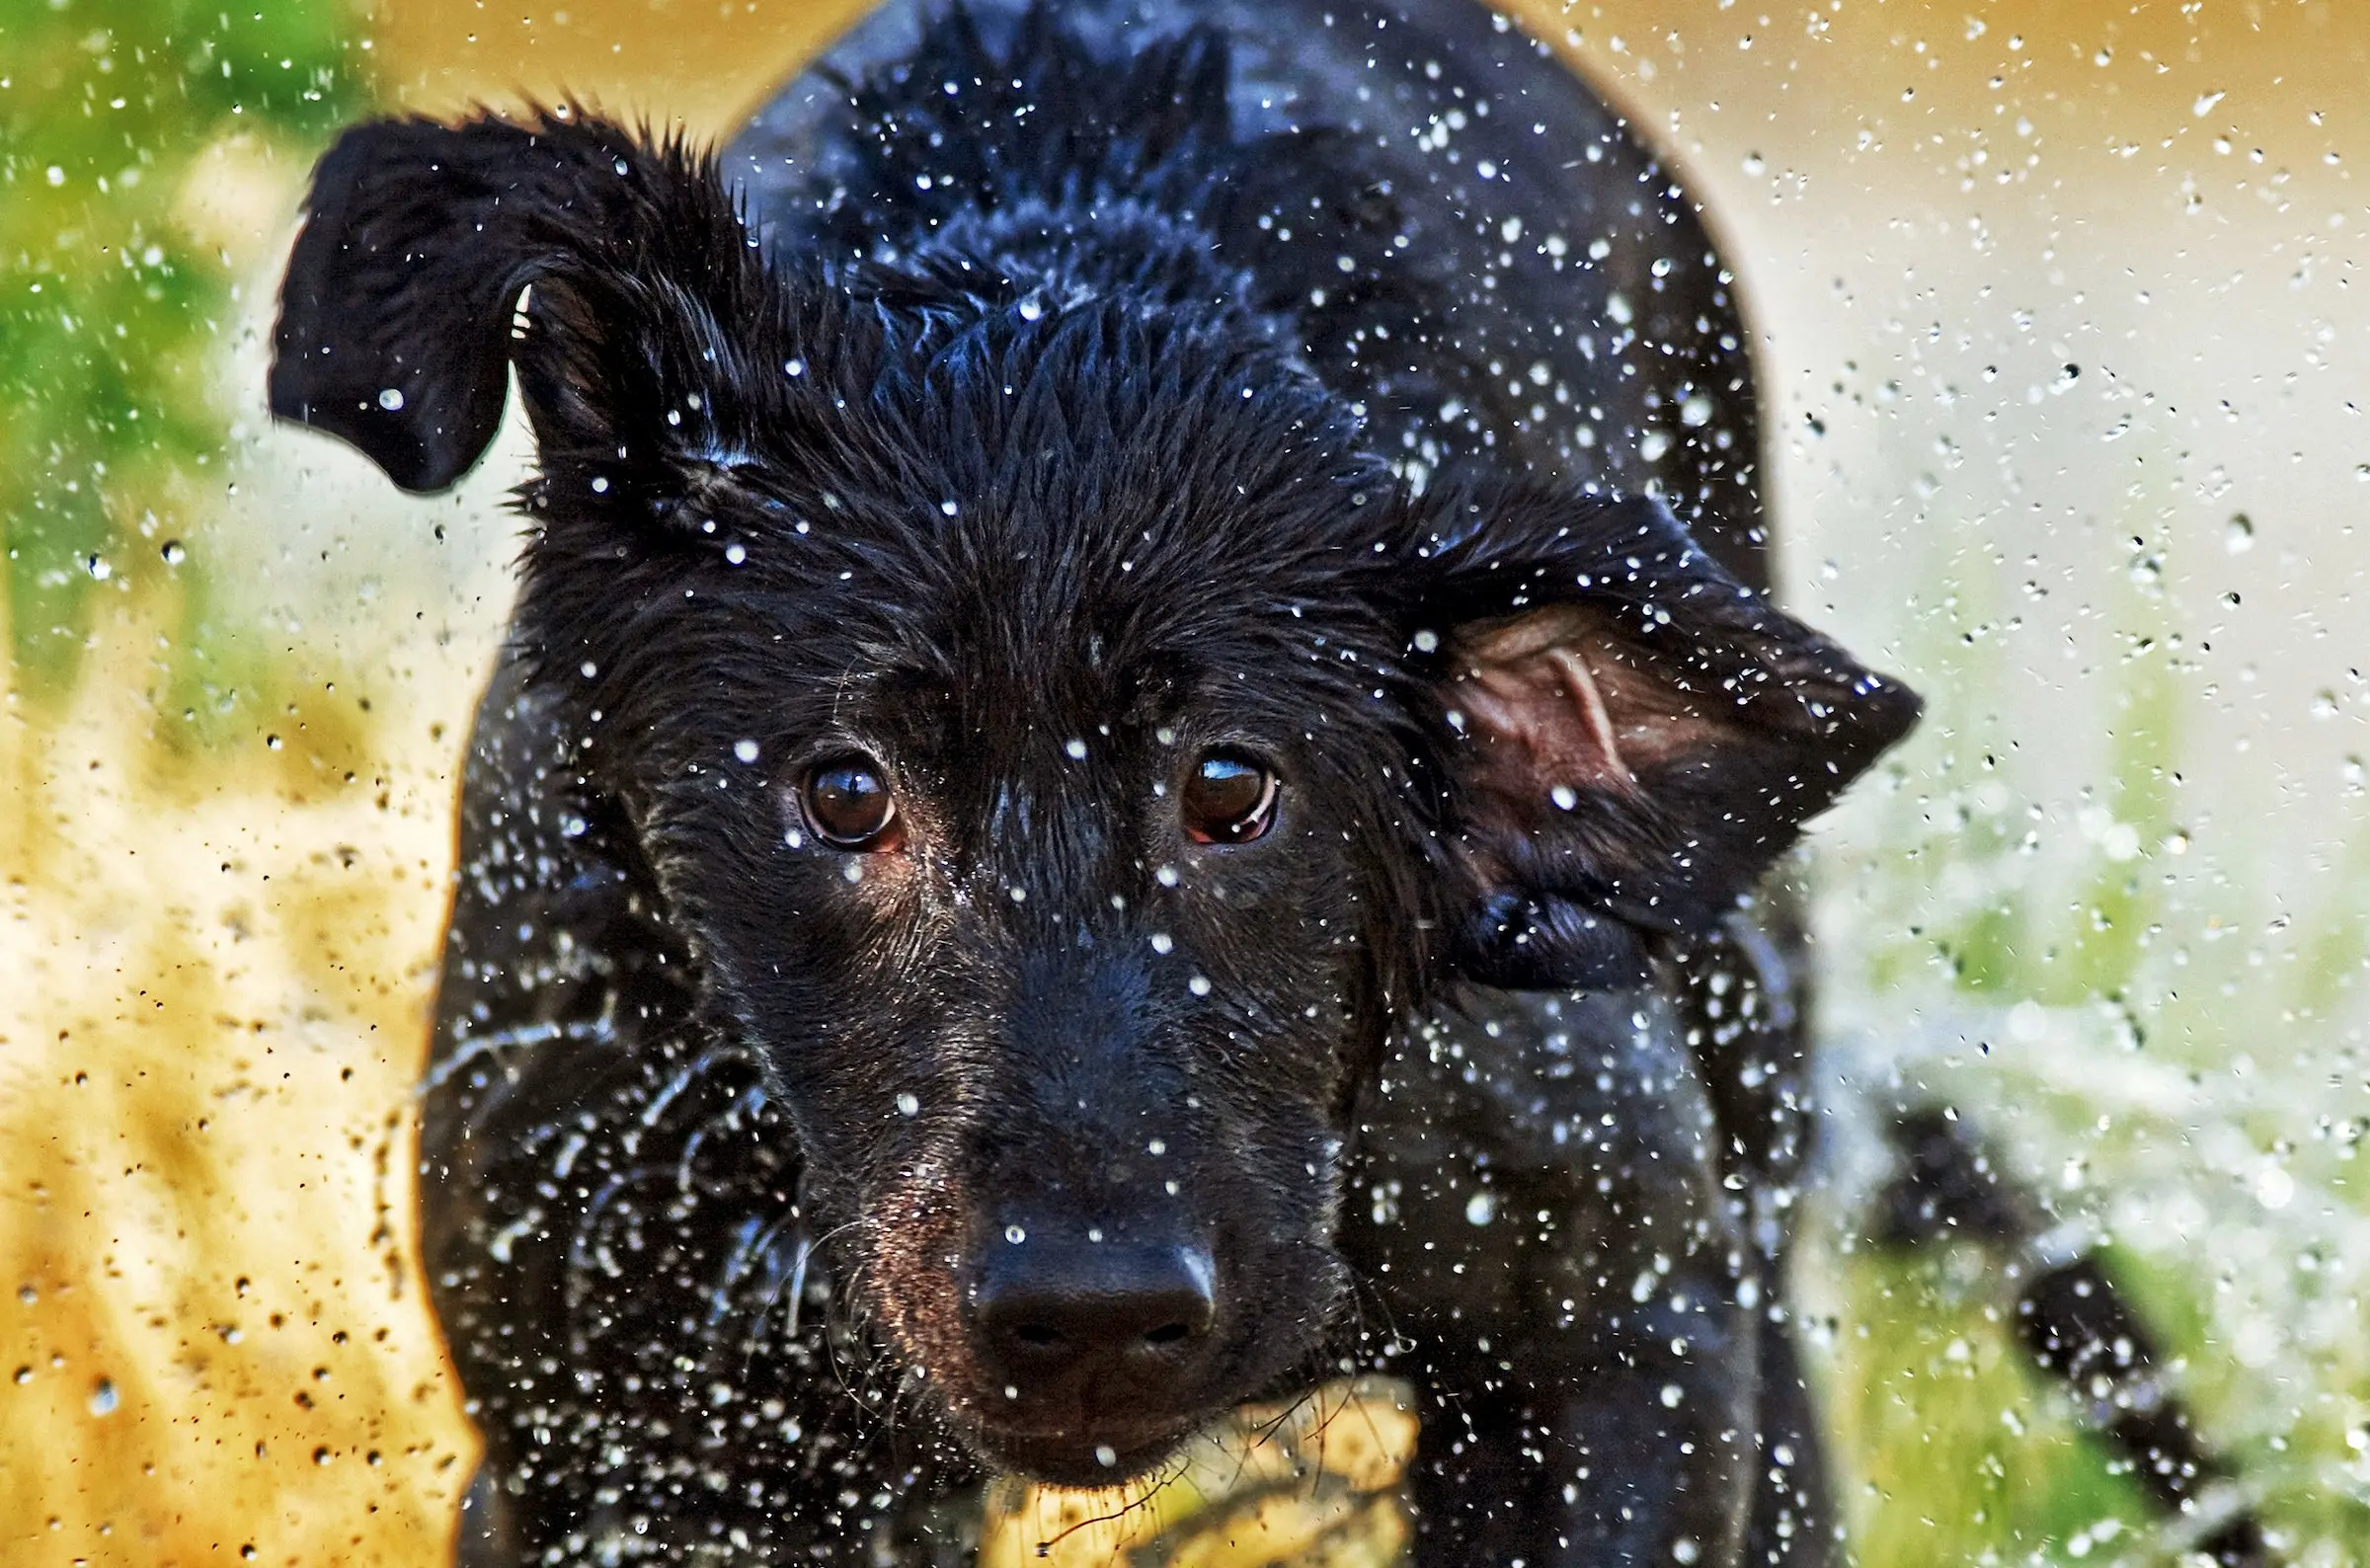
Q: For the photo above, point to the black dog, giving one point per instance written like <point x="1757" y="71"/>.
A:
<point x="1143" y="724"/>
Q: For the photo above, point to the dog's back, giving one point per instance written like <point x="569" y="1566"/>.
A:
<point x="1547" y="295"/>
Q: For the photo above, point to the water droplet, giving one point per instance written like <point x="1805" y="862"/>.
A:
<point x="745" y="750"/>
<point x="390" y="399"/>
<point x="1480" y="1208"/>
<point x="1076" y="749"/>
<point x="2237" y="535"/>
<point x="102" y="1397"/>
<point x="173" y="552"/>
<point x="1106" y="1456"/>
<point x="736" y="553"/>
<point x="1161" y="942"/>
<point x="908" y="1104"/>
<point x="1015" y="1235"/>
<point x="1199" y="985"/>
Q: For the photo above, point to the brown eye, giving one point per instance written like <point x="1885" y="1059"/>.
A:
<point x="1227" y="799"/>
<point x="850" y="806"/>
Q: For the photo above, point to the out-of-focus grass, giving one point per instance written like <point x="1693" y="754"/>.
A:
<point x="218" y="904"/>
<point x="127" y="132"/>
<point x="1955" y="1460"/>
<point x="2055" y="969"/>
<point x="212" y="1331"/>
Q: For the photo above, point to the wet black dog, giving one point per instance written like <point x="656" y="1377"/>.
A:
<point x="1144" y="725"/>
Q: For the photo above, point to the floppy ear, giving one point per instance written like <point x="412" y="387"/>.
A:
<point x="396" y="326"/>
<point x="1635" y="735"/>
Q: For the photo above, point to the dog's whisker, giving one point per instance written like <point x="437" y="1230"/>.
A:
<point x="749" y="1101"/>
<point x="690" y="1073"/>
<point x="477" y="1046"/>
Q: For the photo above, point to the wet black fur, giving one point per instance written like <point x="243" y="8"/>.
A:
<point x="1035" y="484"/>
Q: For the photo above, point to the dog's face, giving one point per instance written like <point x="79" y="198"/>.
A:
<point x="1015" y="766"/>
<point x="1065" y="753"/>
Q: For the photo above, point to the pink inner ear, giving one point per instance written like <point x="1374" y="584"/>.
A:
<point x="1556" y="699"/>
<point x="1527" y="688"/>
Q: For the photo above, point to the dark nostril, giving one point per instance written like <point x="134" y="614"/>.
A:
<point x="1049" y="1305"/>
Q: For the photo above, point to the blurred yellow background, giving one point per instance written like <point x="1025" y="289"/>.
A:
<point x="2063" y="328"/>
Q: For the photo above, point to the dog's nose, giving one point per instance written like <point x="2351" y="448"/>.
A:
<point x="1053" y="1308"/>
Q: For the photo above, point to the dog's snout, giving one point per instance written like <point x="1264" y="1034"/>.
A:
<point x="1090" y="1311"/>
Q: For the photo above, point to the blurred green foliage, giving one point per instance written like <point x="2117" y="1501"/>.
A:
<point x="1961" y="1455"/>
<point x="111" y="311"/>
<point x="2009" y="885"/>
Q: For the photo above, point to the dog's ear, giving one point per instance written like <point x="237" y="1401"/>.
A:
<point x="1633" y="735"/>
<point x="399" y="318"/>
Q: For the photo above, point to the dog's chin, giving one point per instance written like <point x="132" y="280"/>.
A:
<point x="1097" y="1458"/>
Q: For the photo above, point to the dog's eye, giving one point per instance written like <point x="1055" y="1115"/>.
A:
<point x="850" y="806"/>
<point x="1229" y="798"/>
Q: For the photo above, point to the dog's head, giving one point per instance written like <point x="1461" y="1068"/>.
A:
<point x="1065" y="749"/>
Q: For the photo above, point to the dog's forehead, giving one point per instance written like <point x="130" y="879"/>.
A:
<point x="1055" y="526"/>
<point x="1024" y="660"/>
<point x="1046" y="611"/>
